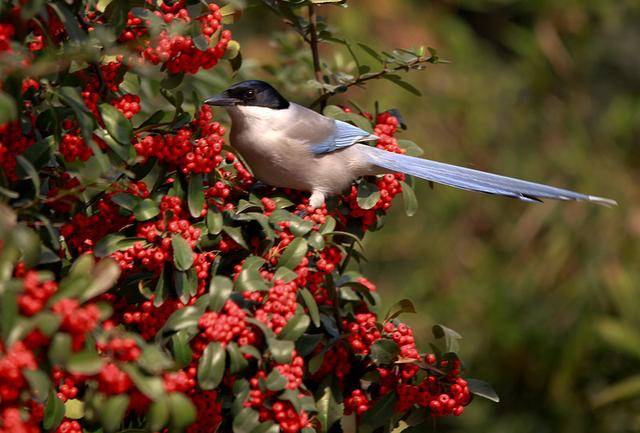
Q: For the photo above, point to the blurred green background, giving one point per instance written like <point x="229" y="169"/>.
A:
<point x="547" y="296"/>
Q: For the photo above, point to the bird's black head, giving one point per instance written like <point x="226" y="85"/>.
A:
<point x="250" y="93"/>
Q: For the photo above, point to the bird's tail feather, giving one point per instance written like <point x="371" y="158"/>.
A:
<point x="472" y="180"/>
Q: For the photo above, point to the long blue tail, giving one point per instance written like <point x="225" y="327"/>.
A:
<point x="472" y="180"/>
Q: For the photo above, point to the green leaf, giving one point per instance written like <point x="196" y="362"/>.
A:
<point x="200" y="42"/>
<point x="112" y="412"/>
<point x="172" y="81"/>
<point x="146" y="209"/>
<point x="237" y="362"/>
<point x="316" y="362"/>
<point x="449" y="336"/>
<point x="397" y="80"/>
<point x="268" y="427"/>
<point x="368" y="195"/>
<point x="409" y="198"/>
<point x="276" y="381"/>
<point x="328" y="402"/>
<point x="29" y="172"/>
<point x="211" y="366"/>
<point x="8" y="310"/>
<point x="104" y="276"/>
<point x="53" y="411"/>
<point x="196" y="195"/>
<point x="182" y="352"/>
<point x="297" y="225"/>
<point x="295" y="327"/>
<point x="186" y="283"/>
<point x="373" y="53"/>
<point x="151" y="386"/>
<point x="112" y="243"/>
<point x="125" y="200"/>
<point x="482" y="389"/>
<point x="384" y="351"/>
<point x="86" y="362"/>
<point x="329" y="226"/>
<point x="153" y="176"/>
<point x="182" y="253"/>
<point x="316" y="240"/>
<point x="215" y="221"/>
<point x="74" y="409"/>
<point x="28" y="242"/>
<point x="312" y="306"/>
<point x="154" y="359"/>
<point x="402" y="306"/>
<point x="410" y="148"/>
<point x="246" y="421"/>
<point x="118" y="126"/>
<point x="380" y="413"/>
<point x="183" y="413"/>
<point x="160" y="293"/>
<point x="284" y="274"/>
<point x="183" y="318"/>
<point x="339" y="114"/>
<point x="70" y="22"/>
<point x="39" y="383"/>
<point x="220" y="288"/>
<point x="281" y="350"/>
<point x="250" y="279"/>
<point x="47" y="322"/>
<point x="233" y="49"/>
<point x="8" y="111"/>
<point x="158" y="415"/>
<point x="235" y="233"/>
<point x="122" y="151"/>
<point x="130" y="83"/>
<point x="60" y="348"/>
<point x="307" y="344"/>
<point x="294" y="253"/>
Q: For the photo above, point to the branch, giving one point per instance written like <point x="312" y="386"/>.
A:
<point x="313" y="43"/>
<point x="413" y="64"/>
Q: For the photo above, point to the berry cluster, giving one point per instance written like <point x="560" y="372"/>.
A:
<point x="179" y="53"/>
<point x="389" y="185"/>
<point x="283" y="413"/>
<point x="196" y="148"/>
<point x="229" y="325"/>
<point x="129" y="105"/>
<point x="35" y="293"/>
<point x="13" y="142"/>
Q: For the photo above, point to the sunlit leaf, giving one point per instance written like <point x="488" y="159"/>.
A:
<point x="211" y="366"/>
<point x="182" y="253"/>
<point x="118" y="126"/>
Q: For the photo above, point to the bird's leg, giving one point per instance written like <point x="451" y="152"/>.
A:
<point x="316" y="200"/>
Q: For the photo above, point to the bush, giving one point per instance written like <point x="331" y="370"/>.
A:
<point x="147" y="281"/>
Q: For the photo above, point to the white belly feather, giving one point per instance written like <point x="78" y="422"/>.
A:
<point x="280" y="156"/>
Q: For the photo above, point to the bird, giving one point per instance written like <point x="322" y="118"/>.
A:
<point x="290" y="146"/>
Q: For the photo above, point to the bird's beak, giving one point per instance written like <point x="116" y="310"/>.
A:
<point x="222" y="100"/>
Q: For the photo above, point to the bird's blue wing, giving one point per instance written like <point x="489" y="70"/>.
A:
<point x="344" y="135"/>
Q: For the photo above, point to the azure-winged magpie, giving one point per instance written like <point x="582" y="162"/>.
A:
<point x="288" y="145"/>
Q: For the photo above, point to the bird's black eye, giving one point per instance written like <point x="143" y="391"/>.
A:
<point x="249" y="93"/>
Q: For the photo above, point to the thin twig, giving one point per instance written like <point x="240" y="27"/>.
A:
<point x="345" y="262"/>
<point x="313" y="36"/>
<point x="371" y="76"/>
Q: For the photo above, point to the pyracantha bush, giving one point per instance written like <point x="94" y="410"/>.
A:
<point x="147" y="281"/>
